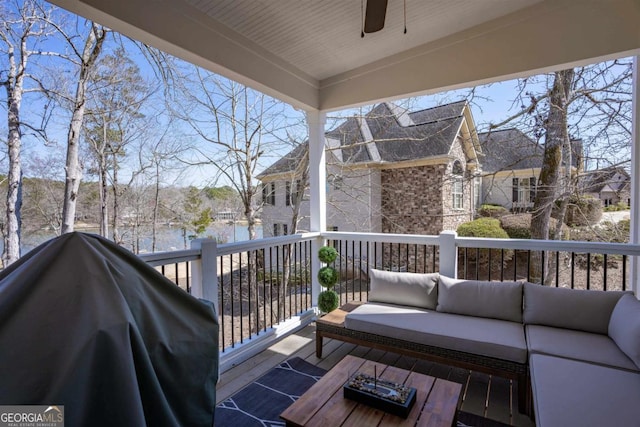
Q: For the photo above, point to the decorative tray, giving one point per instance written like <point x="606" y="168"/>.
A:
<point x="385" y="395"/>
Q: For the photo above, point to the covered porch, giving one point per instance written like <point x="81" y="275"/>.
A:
<point x="315" y="59"/>
<point x="318" y="59"/>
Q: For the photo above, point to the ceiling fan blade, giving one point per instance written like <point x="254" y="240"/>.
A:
<point x="374" y="16"/>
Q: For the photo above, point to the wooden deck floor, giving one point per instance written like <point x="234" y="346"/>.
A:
<point x="491" y="397"/>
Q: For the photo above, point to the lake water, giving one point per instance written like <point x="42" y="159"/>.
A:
<point x="167" y="238"/>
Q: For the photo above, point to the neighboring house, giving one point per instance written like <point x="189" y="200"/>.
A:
<point x="392" y="171"/>
<point x="511" y="165"/>
<point x="611" y="185"/>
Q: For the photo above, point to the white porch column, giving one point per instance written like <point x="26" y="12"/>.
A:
<point x="318" y="195"/>
<point x="634" y="236"/>
<point x="204" y="272"/>
<point x="448" y="253"/>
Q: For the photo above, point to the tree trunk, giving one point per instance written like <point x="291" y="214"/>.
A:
<point x="73" y="169"/>
<point x="116" y="203"/>
<point x="156" y="205"/>
<point x="14" y="180"/>
<point x="556" y="134"/>
<point x="104" y="208"/>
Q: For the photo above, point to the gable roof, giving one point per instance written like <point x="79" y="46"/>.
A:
<point x="511" y="149"/>
<point x="387" y="133"/>
<point x="289" y="162"/>
<point x="615" y="177"/>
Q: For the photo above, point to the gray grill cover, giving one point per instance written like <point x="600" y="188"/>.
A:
<point x="86" y="324"/>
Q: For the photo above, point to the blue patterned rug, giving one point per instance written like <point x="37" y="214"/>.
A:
<point x="260" y="403"/>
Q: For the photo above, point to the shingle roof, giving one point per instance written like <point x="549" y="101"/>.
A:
<point x="432" y="133"/>
<point x="398" y="135"/>
<point x="617" y="178"/>
<point x="288" y="163"/>
<point x="511" y="149"/>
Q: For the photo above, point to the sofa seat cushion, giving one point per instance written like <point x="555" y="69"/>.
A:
<point x="572" y="393"/>
<point x="578" y="345"/>
<point x="487" y="337"/>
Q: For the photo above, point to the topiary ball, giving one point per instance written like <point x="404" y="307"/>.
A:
<point x="328" y="301"/>
<point x="327" y="254"/>
<point x="328" y="277"/>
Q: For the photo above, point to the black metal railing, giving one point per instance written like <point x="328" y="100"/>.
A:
<point x="599" y="267"/>
<point x="357" y="256"/>
<point x="262" y="287"/>
<point x="179" y="273"/>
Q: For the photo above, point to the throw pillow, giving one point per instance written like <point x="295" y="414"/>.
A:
<point x="624" y="327"/>
<point x="578" y="309"/>
<point x="413" y="289"/>
<point x="495" y="300"/>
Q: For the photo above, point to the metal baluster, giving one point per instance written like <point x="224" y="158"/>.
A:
<point x="588" y="271"/>
<point x="233" y="314"/>
<point x="573" y="269"/>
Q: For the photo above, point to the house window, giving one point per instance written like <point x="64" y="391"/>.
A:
<point x="457" y="189"/>
<point x="524" y="190"/>
<point x="287" y="194"/>
<point x="269" y="194"/>
<point x="280" y="229"/>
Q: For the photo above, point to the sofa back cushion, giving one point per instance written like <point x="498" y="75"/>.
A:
<point x="412" y="289"/>
<point x="577" y="309"/>
<point x="495" y="300"/>
<point x="624" y="327"/>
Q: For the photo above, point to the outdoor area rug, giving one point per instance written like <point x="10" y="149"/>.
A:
<point x="261" y="402"/>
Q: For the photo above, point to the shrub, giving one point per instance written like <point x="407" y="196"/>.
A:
<point x="518" y="226"/>
<point x="492" y="211"/>
<point x="328" y="301"/>
<point x="620" y="206"/>
<point x="328" y="277"/>
<point x="482" y="227"/>
<point x="583" y="211"/>
<point x="327" y="254"/>
<point x="606" y="232"/>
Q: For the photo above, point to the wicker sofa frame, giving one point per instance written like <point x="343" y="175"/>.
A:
<point x="332" y="326"/>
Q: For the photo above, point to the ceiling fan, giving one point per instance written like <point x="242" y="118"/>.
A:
<point x="374" y="16"/>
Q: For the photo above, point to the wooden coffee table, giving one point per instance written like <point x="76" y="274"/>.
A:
<point x="324" y="405"/>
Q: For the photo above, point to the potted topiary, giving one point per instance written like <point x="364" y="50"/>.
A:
<point x="328" y="299"/>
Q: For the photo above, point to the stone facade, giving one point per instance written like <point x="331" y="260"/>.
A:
<point x="419" y="199"/>
<point x="412" y="200"/>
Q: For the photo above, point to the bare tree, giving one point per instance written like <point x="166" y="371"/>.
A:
<point x="238" y="124"/>
<point x="24" y="27"/>
<point x="591" y="103"/>
<point x="84" y="57"/>
<point x="556" y="139"/>
<point x="114" y="122"/>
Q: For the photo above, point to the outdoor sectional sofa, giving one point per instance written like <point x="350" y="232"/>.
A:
<point x="575" y="354"/>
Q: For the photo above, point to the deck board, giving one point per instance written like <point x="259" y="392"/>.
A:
<point x="494" y="398"/>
